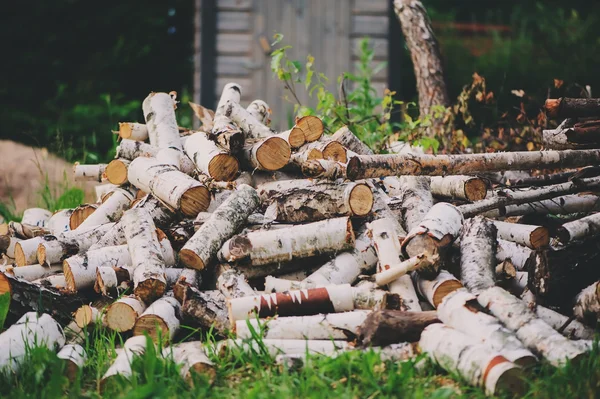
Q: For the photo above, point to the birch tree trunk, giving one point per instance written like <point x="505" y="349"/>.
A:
<point x="205" y="309"/>
<point x="26" y="251"/>
<point x="261" y="111"/>
<point x="344" y="136"/>
<point x="133" y="347"/>
<point x="519" y="255"/>
<point x="192" y="358"/>
<point x="226" y="133"/>
<point x="580" y="228"/>
<point x="123" y="313"/>
<point x="59" y="222"/>
<point x="530" y="236"/>
<point x="89" y="172"/>
<point x="33" y="272"/>
<point x="587" y="304"/>
<point x="572" y="107"/>
<point x="160" y="320"/>
<point x="159" y="112"/>
<point x="323" y="169"/>
<point x="556" y="206"/>
<point x="413" y="194"/>
<point x="301" y="241"/>
<point x="437" y="289"/>
<point x="224" y="222"/>
<point x="109" y="211"/>
<point x="468" y="188"/>
<point x="478" y="254"/>
<point x="233" y="284"/>
<point x="211" y="160"/>
<point x="133" y="131"/>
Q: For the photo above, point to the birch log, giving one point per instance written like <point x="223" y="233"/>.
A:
<point x="205" y="309"/>
<point x="160" y="320"/>
<point x="89" y="172"/>
<point x="172" y="187"/>
<point x="323" y="169"/>
<point x="133" y="347"/>
<point x="159" y="112"/>
<point x="228" y="135"/>
<point x="371" y="166"/>
<point x="74" y="356"/>
<point x="531" y="236"/>
<point x="519" y="255"/>
<point x="437" y="289"/>
<point x="533" y="332"/>
<point x="211" y="160"/>
<point x="387" y="246"/>
<point x="270" y="154"/>
<point x="587" y="304"/>
<point x="384" y="277"/>
<point x="338" y="326"/>
<point x="311" y="126"/>
<point x="475" y="362"/>
<point x="385" y="327"/>
<point x="109" y="211"/>
<point x="123" y="313"/>
<point x="461" y="311"/>
<point x="369" y="297"/>
<point x="440" y="227"/>
<point x="330" y="299"/>
<point x="233" y="284"/>
<point x="128" y="150"/>
<point x="224" y="222"/>
<point x="305" y="200"/>
<point x="572" y="107"/>
<point x="146" y="255"/>
<point x="191" y="358"/>
<point x="26" y="251"/>
<point x="580" y="228"/>
<point x="116" y="171"/>
<point x="556" y="206"/>
<point x="30" y="331"/>
<point x="345" y="136"/>
<point x="261" y="111"/>
<point x="478" y="254"/>
<point x="468" y="188"/>
<point x="330" y="149"/>
<point x="54" y="249"/>
<point x="102" y="189"/>
<point x="133" y="131"/>
<point x="36" y="217"/>
<point x="81" y="213"/>
<point x="33" y="272"/>
<point x="275" y="347"/>
<point x="59" y="222"/>
<point x="301" y="241"/>
<point x="414" y="196"/>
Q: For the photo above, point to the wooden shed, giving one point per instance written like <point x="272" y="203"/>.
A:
<point x="232" y="44"/>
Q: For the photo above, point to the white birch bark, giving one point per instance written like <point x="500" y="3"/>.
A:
<point x="234" y="285"/>
<point x="122" y="314"/>
<point x="330" y="299"/>
<point x="468" y="188"/>
<point x="160" y="320"/>
<point x="437" y="289"/>
<point x="10" y="249"/>
<point x="302" y="156"/>
<point x="261" y="111"/>
<point x="30" y="331"/>
<point x="284" y="346"/>
<point x="477" y="363"/>
<point x="55" y="281"/>
<point x="75" y="357"/>
<point x="264" y="247"/>
<point x="323" y="169"/>
<point x="461" y="311"/>
<point x="59" y="222"/>
<point x="533" y="332"/>
<point x="337" y="326"/>
<point x="191" y="358"/>
<point x="133" y="131"/>
<point x="530" y="236"/>
<point x="36" y="217"/>
<point x="102" y="189"/>
<point x="387" y="246"/>
<point x="110" y="210"/>
<point x="133" y="347"/>
<point x="206" y="309"/>
<point x="556" y="206"/>
<point x="478" y="254"/>
<point x="228" y="135"/>
<point x="211" y="160"/>
<point x="270" y="154"/>
<point x="89" y="172"/>
<point x="344" y="136"/>
<point x="250" y="126"/>
<point x="159" y="113"/>
<point x="224" y="222"/>
<point x="587" y="304"/>
<point x="131" y="149"/>
<point x="519" y="255"/>
<point x="26" y="251"/>
<point x="414" y="196"/>
<point x="387" y="276"/>
<point x="34" y="272"/>
<point x="580" y="228"/>
<point x="518" y="284"/>
<point x="146" y="255"/>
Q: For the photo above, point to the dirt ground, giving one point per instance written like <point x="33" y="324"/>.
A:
<point x="22" y="174"/>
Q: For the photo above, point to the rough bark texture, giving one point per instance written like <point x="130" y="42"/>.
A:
<point x="344" y="136"/>
<point x="323" y="169"/>
<point x="55" y="249"/>
<point x="224" y="222"/>
<point x="413" y="194"/>
<point x="205" y="309"/>
<point x="478" y="254"/>
<point x="160" y="320"/>
<point x="385" y="327"/>
<point x="159" y="112"/>
<point x="519" y="255"/>
<point x="459" y="187"/>
<point x="587" y="304"/>
<point x="572" y="107"/>
<point x="580" y="228"/>
<point x="261" y="111"/>
<point x="531" y="236"/>
<point x="211" y="160"/>
<point x="556" y="206"/>
<point x="437" y="289"/>
<point x="233" y="284"/>
<point x="228" y="135"/>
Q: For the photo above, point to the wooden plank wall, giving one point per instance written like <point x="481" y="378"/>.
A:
<point x="330" y="30"/>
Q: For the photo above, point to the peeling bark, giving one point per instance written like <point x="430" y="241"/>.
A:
<point x="478" y="254"/>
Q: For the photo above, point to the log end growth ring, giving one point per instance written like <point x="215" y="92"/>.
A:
<point x="311" y="126"/>
<point x="191" y="259"/>
<point x="20" y="258"/>
<point x="444" y="289"/>
<point x="83" y="316"/>
<point x="154" y="325"/>
<point x="116" y="172"/>
<point x="475" y="189"/>
<point x="150" y="290"/>
<point x="274" y="154"/>
<point x="69" y="278"/>
<point x="361" y="200"/>
<point x="297" y="138"/>
<point x="223" y="167"/>
<point x="4" y="285"/>
<point x="194" y="201"/>
<point x="335" y="151"/>
<point x="121" y="317"/>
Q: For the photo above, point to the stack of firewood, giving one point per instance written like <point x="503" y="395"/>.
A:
<point x="472" y="259"/>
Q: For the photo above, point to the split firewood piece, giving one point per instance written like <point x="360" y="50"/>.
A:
<point x="110" y="210"/>
<point x="36" y="217"/>
<point x="160" y="320"/>
<point x="437" y="289"/>
<point x="228" y="135"/>
<point x="80" y="214"/>
<point x="507" y="197"/>
<point x="461" y="311"/>
<point x="531" y="236"/>
<point x="146" y="255"/>
<point x="398" y="270"/>
<point x="519" y="255"/>
<point x="211" y="160"/>
<point x="556" y="206"/>
<point x="116" y="171"/>
<point x="233" y="284"/>
<point x="270" y="154"/>
<point x="572" y="107"/>
<point x="89" y="172"/>
<point x="123" y="313"/>
<point x="191" y="358"/>
<point x="468" y="188"/>
<point x="32" y="272"/>
<point x="533" y="332"/>
<point x="224" y="222"/>
<point x="25" y="252"/>
<point x="301" y="241"/>
<point x="132" y="348"/>
<point x="557" y="275"/>
<point x="305" y="200"/>
<point x="54" y="249"/>
<point x="275" y="347"/>
<point x="133" y="131"/>
<point x="385" y="327"/>
<point x="205" y="309"/>
<point x="339" y="326"/>
<point x="387" y="246"/>
<point x="159" y="113"/>
<point x="477" y="363"/>
<point x="261" y="111"/>
<point x="478" y="254"/>
<point x="414" y="197"/>
<point x="59" y="222"/>
<point x="323" y="169"/>
<point x="30" y="331"/>
<point x="372" y="166"/>
<point x="587" y="305"/>
<point x="580" y="228"/>
<point x="438" y="229"/>
<point x="330" y="299"/>
<point x="172" y="187"/>
<point x="344" y="136"/>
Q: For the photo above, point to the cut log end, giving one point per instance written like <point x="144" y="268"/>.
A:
<point x="81" y="213"/>
<point x="475" y="189"/>
<point x="552" y="107"/>
<point x="150" y="290"/>
<point x="273" y="154"/>
<point x="361" y="200"/>
<point x="296" y="137"/>
<point x="116" y="172"/>
<point x="154" y="326"/>
<point x="121" y="317"/>
<point x="41" y="254"/>
<point x="223" y="167"/>
<point x="83" y="316"/>
<point x="540" y="238"/>
<point x="20" y="258"/>
<point x="69" y="278"/>
<point x="194" y="201"/>
<point x="311" y="126"/>
<point x="444" y="289"/>
<point x="4" y="284"/>
<point x="191" y="259"/>
<point x="335" y="151"/>
<point x="510" y="379"/>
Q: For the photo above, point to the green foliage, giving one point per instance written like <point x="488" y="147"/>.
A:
<point x="4" y="306"/>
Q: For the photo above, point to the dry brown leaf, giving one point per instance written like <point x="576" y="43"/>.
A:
<point x="558" y="83"/>
<point x="205" y="115"/>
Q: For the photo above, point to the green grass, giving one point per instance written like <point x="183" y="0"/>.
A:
<point x="350" y="375"/>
